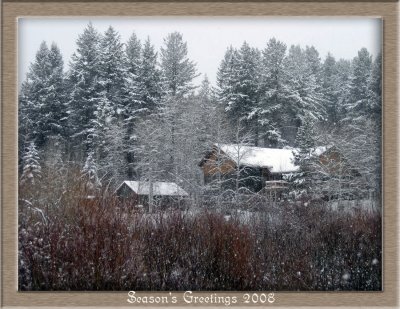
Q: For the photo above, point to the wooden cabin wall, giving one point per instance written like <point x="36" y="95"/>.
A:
<point x="210" y="167"/>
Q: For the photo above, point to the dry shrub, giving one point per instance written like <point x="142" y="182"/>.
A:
<point x="198" y="252"/>
<point x="71" y="242"/>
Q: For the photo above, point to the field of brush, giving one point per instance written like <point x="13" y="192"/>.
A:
<point x="101" y="244"/>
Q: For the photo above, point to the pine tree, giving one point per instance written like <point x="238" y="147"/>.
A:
<point x="305" y="142"/>
<point x="358" y="106"/>
<point x="85" y="89"/>
<point x="329" y="85"/>
<point x="363" y="118"/>
<point x="150" y="77"/>
<point x="342" y="89"/>
<point x="178" y="71"/>
<point x="240" y="91"/>
<point x="375" y="123"/>
<point x="104" y="116"/>
<point x="112" y="105"/>
<point x="31" y="165"/>
<point x="314" y="61"/>
<point x="90" y="175"/>
<point x="55" y="122"/>
<point x="112" y="70"/>
<point x="133" y="51"/>
<point x="375" y="90"/>
<point x="133" y="102"/>
<point x="42" y="110"/>
<point x="25" y="120"/>
<point x="145" y="94"/>
<point x="248" y="75"/>
<point x="226" y="79"/>
<point x="245" y="79"/>
<point x="271" y="85"/>
<point x="301" y="92"/>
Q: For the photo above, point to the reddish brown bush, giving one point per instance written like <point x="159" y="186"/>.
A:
<point x="80" y="243"/>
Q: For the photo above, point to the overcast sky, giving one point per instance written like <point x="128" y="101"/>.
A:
<point x="207" y="37"/>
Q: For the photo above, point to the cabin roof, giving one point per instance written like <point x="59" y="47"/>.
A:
<point x="159" y="188"/>
<point x="276" y="160"/>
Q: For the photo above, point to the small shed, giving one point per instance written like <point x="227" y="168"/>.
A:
<point x="165" y="194"/>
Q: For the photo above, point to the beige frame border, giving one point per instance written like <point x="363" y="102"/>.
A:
<point x="11" y="10"/>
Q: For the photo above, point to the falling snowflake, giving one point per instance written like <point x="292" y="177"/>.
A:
<point x="346" y="276"/>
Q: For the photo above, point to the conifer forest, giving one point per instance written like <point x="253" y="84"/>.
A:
<point x="134" y="177"/>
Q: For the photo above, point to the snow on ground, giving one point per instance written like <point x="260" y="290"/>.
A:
<point x="271" y="216"/>
<point x="353" y="205"/>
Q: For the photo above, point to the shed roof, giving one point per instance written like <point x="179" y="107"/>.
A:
<point x="159" y="188"/>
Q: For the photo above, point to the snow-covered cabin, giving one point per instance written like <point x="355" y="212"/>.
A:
<point x="164" y="193"/>
<point x="260" y="167"/>
<point x="267" y="168"/>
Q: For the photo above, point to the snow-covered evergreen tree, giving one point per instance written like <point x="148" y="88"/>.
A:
<point x="314" y="62"/>
<point x="305" y="142"/>
<point x="226" y="78"/>
<point x="145" y="91"/>
<point x="133" y="52"/>
<point x="239" y="92"/>
<point x="342" y="89"/>
<point x="301" y="92"/>
<point x="248" y="79"/>
<point x="358" y="107"/>
<point x="90" y="173"/>
<point x="31" y="165"/>
<point x="150" y="78"/>
<point x="58" y="109"/>
<point x="112" y="70"/>
<point x="42" y="99"/>
<point x="85" y="89"/>
<point x="25" y="120"/>
<point x="104" y="115"/>
<point x="362" y="119"/>
<point x="375" y="90"/>
<point x="178" y="71"/>
<point x="329" y="85"/>
<point x="271" y="85"/>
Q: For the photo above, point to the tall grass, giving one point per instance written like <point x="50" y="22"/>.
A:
<point x="70" y="242"/>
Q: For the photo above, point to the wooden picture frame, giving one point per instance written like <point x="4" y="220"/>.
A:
<point x="388" y="11"/>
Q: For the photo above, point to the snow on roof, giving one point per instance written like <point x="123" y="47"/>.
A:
<point x="159" y="188"/>
<point x="276" y="160"/>
<point x="320" y="150"/>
